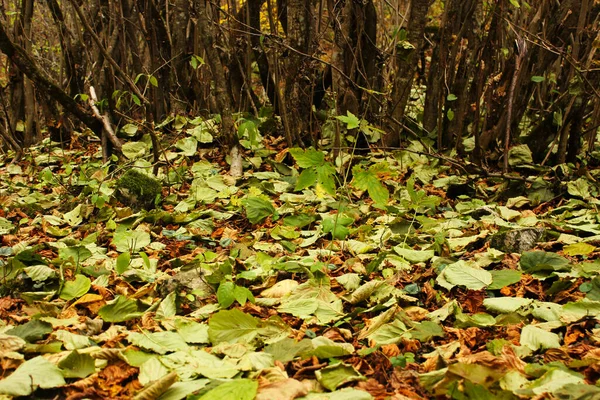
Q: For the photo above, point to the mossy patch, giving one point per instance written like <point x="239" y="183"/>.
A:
<point x="138" y="190"/>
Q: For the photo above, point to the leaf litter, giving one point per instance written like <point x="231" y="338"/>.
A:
<point x="365" y="277"/>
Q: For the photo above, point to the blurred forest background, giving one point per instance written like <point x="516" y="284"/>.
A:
<point x="470" y="77"/>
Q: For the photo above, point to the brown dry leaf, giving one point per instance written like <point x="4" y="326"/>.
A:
<point x="374" y="388"/>
<point x="404" y="384"/>
<point x="390" y="350"/>
<point x="556" y="355"/>
<point x="286" y="389"/>
<point x="512" y="360"/>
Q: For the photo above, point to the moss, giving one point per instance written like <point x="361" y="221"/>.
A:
<point x="138" y="190"/>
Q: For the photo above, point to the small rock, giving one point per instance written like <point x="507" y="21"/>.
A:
<point x="518" y="240"/>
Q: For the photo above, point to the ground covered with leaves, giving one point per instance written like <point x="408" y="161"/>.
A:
<point x="384" y="275"/>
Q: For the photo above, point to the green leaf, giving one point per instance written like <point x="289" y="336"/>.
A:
<point x="325" y="178"/>
<point x="32" y="331"/>
<point x="579" y="188"/>
<point x="132" y="241"/>
<point x="225" y="294"/>
<point x="31" y="375"/>
<point x="351" y="120"/>
<point x="77" y="288"/>
<point x="334" y="376"/>
<point x="232" y="326"/>
<point x="541" y="261"/>
<point x="180" y="390"/>
<point x="167" y="307"/>
<point x="77" y="365"/>
<point x="188" y="146"/>
<point x="123" y="261"/>
<point x="307" y="178"/>
<point x="451" y="97"/>
<point x="158" y="342"/>
<point x="536" y="338"/>
<point x="504" y="277"/>
<point x="75" y="254"/>
<point x="133" y="150"/>
<point x="370" y="181"/>
<point x="505" y="305"/>
<point x="414" y="256"/>
<point x="153" y="81"/>
<point x="426" y="330"/>
<point x="120" y="309"/>
<point x="257" y="209"/>
<point x="537" y="79"/>
<point x="579" y="249"/>
<point x="469" y="277"/>
<point x="519" y="155"/>
<point x="307" y="158"/>
<point x="238" y="389"/>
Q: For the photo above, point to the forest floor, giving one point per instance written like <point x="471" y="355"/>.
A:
<point x="395" y="278"/>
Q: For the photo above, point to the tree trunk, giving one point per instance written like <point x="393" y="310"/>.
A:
<point x="222" y="96"/>
<point x="407" y="56"/>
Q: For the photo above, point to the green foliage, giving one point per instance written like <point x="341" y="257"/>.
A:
<point x="316" y="171"/>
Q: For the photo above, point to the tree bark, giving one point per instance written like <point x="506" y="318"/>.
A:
<point x="27" y="65"/>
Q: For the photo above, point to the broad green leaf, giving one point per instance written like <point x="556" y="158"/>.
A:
<point x="232" y="326"/>
<point x="325" y="178"/>
<point x="120" y="309"/>
<point x="461" y="274"/>
<point x="579" y="249"/>
<point x="307" y="178"/>
<point x="327" y="348"/>
<point x="287" y="349"/>
<point x="504" y="277"/>
<point x="536" y="338"/>
<point x="519" y="155"/>
<point x="369" y="180"/>
<point x="31" y="375"/>
<point x="541" y="261"/>
<point x="152" y="370"/>
<point x="76" y="288"/>
<point x="132" y="241"/>
<point x="537" y="79"/>
<point x="188" y="146"/>
<point x="351" y="120"/>
<point x="192" y="331"/>
<point x="426" y="330"/>
<point x="39" y="273"/>
<point x="238" y="389"/>
<point x="133" y="150"/>
<point x="167" y="307"/>
<point x="307" y="158"/>
<point x="579" y="188"/>
<point x="158" y="342"/>
<point x="225" y="294"/>
<point x="414" y="256"/>
<point x="336" y="375"/>
<point x="76" y="254"/>
<point x="77" y="365"/>
<point x="73" y="341"/>
<point x="74" y="217"/>
<point x="553" y="380"/>
<point x="257" y="209"/>
<point x="5" y="226"/>
<point x="505" y="305"/>
<point x="31" y="331"/>
<point x="180" y="390"/>
<point x="123" y="262"/>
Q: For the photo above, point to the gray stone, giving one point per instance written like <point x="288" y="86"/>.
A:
<point x="518" y="240"/>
